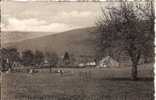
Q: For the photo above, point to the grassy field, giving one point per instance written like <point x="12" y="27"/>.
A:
<point x="79" y="84"/>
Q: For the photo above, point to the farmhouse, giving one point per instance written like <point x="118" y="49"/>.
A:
<point x="108" y="62"/>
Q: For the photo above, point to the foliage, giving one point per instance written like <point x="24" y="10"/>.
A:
<point x="9" y="56"/>
<point x="27" y="57"/>
<point x="128" y="28"/>
<point x="38" y="57"/>
<point x="52" y="58"/>
<point x="66" y="58"/>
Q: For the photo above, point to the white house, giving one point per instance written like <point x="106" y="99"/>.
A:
<point x="108" y="62"/>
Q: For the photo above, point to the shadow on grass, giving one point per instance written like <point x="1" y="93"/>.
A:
<point x="129" y="79"/>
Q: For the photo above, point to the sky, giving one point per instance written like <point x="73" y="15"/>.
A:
<point x="49" y="16"/>
<point x="36" y="19"/>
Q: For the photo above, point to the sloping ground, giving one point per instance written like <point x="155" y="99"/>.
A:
<point x="79" y="42"/>
<point x="17" y="36"/>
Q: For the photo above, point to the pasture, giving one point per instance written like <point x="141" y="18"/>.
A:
<point x="79" y="84"/>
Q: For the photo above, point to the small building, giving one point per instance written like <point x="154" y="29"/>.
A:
<point x="91" y="63"/>
<point x="108" y="62"/>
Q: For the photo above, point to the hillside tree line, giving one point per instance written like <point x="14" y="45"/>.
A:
<point x="11" y="57"/>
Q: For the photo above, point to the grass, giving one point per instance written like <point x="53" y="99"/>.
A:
<point x="79" y="84"/>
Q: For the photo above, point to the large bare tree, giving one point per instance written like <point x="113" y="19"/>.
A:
<point x="129" y="27"/>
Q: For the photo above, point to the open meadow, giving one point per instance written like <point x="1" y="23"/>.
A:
<point x="79" y="84"/>
<point x="79" y="50"/>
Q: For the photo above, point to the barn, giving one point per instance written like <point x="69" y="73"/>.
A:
<point x="108" y="62"/>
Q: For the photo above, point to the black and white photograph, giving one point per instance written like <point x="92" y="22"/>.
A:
<point x="84" y="50"/>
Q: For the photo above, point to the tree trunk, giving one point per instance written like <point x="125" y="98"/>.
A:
<point x="134" y="72"/>
<point x="50" y="68"/>
<point x="135" y="56"/>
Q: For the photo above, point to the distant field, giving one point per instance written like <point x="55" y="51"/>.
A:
<point x="79" y="84"/>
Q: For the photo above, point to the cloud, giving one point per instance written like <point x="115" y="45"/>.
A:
<point x="53" y="0"/>
<point x="73" y="15"/>
<point x="33" y="24"/>
<point x="21" y="0"/>
<point x="58" y="22"/>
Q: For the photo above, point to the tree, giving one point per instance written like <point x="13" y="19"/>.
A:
<point x="52" y="59"/>
<point x="27" y="57"/>
<point x="13" y="56"/>
<point x="147" y="10"/>
<point x="9" y="56"/>
<point x="38" y="57"/>
<point x="66" y="58"/>
<point x="127" y="29"/>
<point x="4" y="57"/>
<point x="72" y="59"/>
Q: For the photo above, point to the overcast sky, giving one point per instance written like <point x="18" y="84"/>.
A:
<point x="49" y="16"/>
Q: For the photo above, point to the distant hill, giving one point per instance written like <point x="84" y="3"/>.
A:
<point x="76" y="42"/>
<point x="17" y="36"/>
